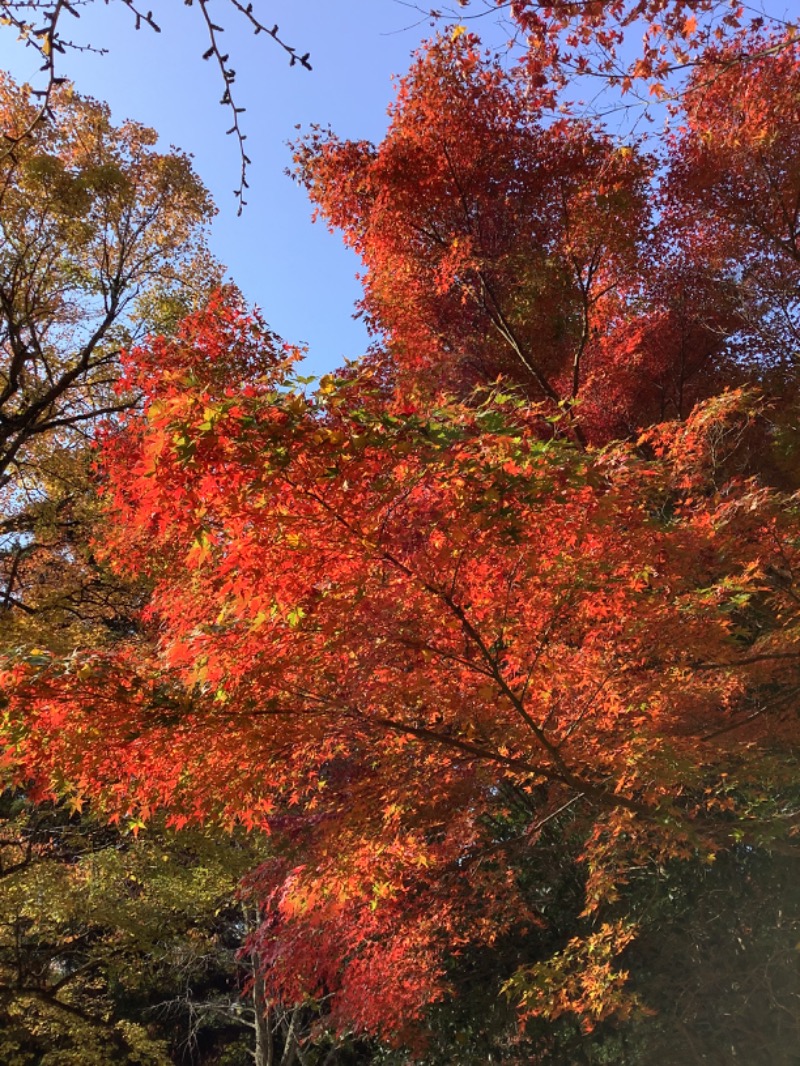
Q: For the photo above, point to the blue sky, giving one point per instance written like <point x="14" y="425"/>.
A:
<point x="301" y="276"/>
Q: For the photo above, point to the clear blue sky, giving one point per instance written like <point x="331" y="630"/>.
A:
<point x="301" y="276"/>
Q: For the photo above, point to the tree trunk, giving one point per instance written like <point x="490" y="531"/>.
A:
<point x="264" y="1054"/>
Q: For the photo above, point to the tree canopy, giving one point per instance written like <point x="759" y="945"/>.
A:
<point x="103" y="239"/>
<point x="494" y="632"/>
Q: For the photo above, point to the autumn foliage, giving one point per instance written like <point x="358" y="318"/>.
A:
<point x="516" y="594"/>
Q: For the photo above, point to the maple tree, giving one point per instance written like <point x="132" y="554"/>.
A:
<point x="498" y="241"/>
<point x="641" y="49"/>
<point x="734" y="179"/>
<point x="327" y="576"/>
<point x="511" y="604"/>
<point x="493" y="243"/>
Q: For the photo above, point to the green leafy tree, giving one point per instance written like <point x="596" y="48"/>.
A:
<point x="115" y="948"/>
